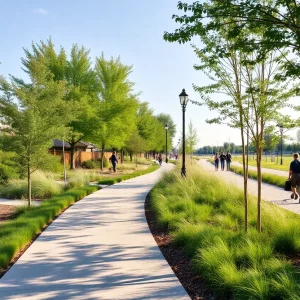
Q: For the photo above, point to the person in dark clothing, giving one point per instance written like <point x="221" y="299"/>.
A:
<point x="160" y="159"/>
<point x="114" y="160"/>
<point x="222" y="159"/>
<point x="228" y="160"/>
<point x="216" y="159"/>
<point x="294" y="175"/>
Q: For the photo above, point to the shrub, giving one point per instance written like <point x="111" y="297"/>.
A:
<point x="9" y="167"/>
<point x="90" y="164"/>
<point x="77" y="178"/>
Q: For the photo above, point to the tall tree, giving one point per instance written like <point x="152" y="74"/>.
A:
<point x="117" y="104"/>
<point x="80" y="89"/>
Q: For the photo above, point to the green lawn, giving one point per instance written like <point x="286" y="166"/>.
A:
<point x="205" y="216"/>
<point x="267" y="163"/>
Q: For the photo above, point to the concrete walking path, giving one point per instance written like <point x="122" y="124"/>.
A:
<point x="100" y="248"/>
<point x="264" y="170"/>
<point x="270" y="192"/>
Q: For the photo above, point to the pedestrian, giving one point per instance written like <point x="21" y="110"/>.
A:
<point x="228" y="160"/>
<point x="114" y="161"/>
<point x="216" y="159"/>
<point x="294" y="176"/>
<point x="160" y="159"/>
<point x="222" y="159"/>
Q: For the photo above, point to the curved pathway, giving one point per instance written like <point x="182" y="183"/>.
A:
<point x="100" y="248"/>
<point x="270" y="192"/>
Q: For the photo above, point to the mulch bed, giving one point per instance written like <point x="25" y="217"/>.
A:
<point x="6" y="212"/>
<point x="180" y="264"/>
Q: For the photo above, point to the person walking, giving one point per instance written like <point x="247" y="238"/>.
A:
<point x="216" y="159"/>
<point x="159" y="159"/>
<point x="294" y="176"/>
<point x="228" y="160"/>
<point x="114" y="161"/>
<point x="222" y="159"/>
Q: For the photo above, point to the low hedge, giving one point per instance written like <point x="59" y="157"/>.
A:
<point x="120" y="178"/>
<point x="28" y="222"/>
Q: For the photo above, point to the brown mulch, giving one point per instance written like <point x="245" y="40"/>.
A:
<point x="6" y="212"/>
<point x="180" y="264"/>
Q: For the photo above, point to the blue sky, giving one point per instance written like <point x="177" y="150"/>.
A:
<point x="131" y="29"/>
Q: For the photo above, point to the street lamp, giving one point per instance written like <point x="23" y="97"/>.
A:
<point x="166" y="127"/>
<point x="183" y="97"/>
<point x="281" y="139"/>
<point x="178" y="149"/>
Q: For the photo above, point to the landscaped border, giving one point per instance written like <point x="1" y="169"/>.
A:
<point x="121" y="178"/>
<point x="18" y="234"/>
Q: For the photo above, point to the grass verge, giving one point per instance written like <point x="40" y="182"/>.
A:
<point x="267" y="178"/>
<point x="120" y="178"/>
<point x="16" y="234"/>
<point x="205" y="217"/>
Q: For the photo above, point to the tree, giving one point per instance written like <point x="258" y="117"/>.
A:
<point x="191" y="139"/>
<point x="117" y="105"/>
<point x="34" y="114"/>
<point x="80" y="88"/>
<point x="167" y="119"/>
<point x="246" y="76"/>
<point x="135" y="145"/>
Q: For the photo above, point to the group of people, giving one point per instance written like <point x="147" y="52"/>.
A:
<point x="221" y="159"/>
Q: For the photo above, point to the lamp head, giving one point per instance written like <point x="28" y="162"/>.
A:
<point x="184" y="98"/>
<point x="166" y="126"/>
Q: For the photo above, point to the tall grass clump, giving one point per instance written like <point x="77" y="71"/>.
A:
<point x="205" y="218"/>
<point x="44" y="185"/>
<point x="17" y="233"/>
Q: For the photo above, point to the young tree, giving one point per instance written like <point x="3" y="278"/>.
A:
<point x="191" y="140"/>
<point x="246" y="76"/>
<point x="34" y="114"/>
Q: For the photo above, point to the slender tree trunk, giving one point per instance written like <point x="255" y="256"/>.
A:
<point x="29" y="184"/>
<point x="136" y="160"/>
<point x="122" y="155"/>
<point x="72" y="161"/>
<point x="259" y="180"/>
<point x="102" y="157"/>
<point x="130" y="155"/>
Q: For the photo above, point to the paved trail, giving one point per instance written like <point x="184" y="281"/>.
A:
<point x="100" y="248"/>
<point x="269" y="192"/>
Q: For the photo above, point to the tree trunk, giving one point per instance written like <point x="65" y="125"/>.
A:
<point x="102" y="157"/>
<point x="29" y="184"/>
<point x="136" y="160"/>
<point x="122" y="155"/>
<point x="130" y="155"/>
<point x="259" y="179"/>
<point x="72" y="149"/>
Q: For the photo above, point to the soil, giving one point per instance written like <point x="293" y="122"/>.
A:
<point x="180" y="264"/>
<point x="6" y="212"/>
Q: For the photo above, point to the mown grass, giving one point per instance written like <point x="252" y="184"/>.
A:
<point x="120" y="178"/>
<point x="269" y="162"/>
<point x="267" y="178"/>
<point x="205" y="217"/>
<point x="28" y="222"/>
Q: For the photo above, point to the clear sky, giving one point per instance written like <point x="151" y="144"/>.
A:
<point x="131" y="29"/>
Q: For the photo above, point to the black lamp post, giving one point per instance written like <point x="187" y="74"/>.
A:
<point x="281" y="140"/>
<point x="166" y="127"/>
<point x="183" y="97"/>
<point x="178" y="149"/>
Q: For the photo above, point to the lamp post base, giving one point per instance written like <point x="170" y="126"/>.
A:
<point x="183" y="172"/>
<point x="281" y="161"/>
